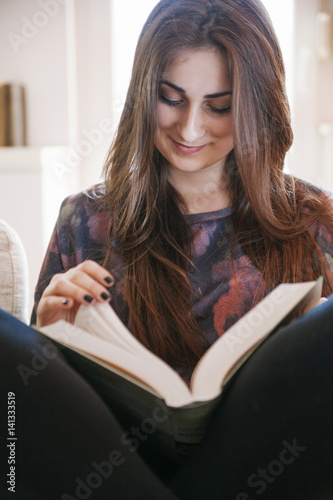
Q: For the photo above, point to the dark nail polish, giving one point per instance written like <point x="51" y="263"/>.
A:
<point x="108" y="280"/>
<point x="105" y="296"/>
<point x="65" y="302"/>
<point x="88" y="298"/>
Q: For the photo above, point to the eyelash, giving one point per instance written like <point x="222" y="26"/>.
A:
<point x="222" y="111"/>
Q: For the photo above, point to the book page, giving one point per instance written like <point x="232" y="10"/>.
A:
<point x="101" y="320"/>
<point x="233" y="348"/>
<point x="154" y="374"/>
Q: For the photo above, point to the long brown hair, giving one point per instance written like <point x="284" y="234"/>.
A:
<point x="271" y="211"/>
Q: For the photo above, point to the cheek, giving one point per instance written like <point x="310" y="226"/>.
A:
<point x="165" y="117"/>
<point x="223" y="129"/>
<point x="223" y="133"/>
<point x="160" y="129"/>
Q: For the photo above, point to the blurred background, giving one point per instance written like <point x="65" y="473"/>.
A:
<point x="64" y="70"/>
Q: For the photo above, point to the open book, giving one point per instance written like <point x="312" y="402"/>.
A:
<point x="144" y="391"/>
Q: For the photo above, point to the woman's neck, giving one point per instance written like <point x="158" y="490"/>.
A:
<point x="203" y="191"/>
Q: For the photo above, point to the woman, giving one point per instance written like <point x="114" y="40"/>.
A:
<point x="195" y="223"/>
<point x="177" y="154"/>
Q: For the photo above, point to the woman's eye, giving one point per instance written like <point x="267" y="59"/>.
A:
<point x="221" y="111"/>
<point x="169" y="102"/>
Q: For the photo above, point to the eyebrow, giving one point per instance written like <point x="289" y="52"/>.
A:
<point x="182" y="91"/>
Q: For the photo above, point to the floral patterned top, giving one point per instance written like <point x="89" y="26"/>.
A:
<point x="82" y="232"/>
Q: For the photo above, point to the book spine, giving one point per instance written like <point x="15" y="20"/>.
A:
<point x="12" y="115"/>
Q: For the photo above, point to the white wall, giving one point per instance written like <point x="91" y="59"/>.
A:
<point x="312" y="154"/>
<point x="35" y="56"/>
<point x="60" y="50"/>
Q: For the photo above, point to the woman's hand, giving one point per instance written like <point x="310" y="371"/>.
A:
<point x="86" y="284"/>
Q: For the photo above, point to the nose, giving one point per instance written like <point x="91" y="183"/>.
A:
<point x="191" y="127"/>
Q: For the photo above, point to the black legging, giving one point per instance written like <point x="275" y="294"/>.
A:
<point x="270" y="438"/>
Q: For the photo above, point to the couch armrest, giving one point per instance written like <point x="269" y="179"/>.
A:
<point x="14" y="292"/>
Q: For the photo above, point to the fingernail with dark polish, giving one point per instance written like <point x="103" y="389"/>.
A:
<point x="105" y="296"/>
<point x="65" y="302"/>
<point x="108" y="280"/>
<point x="88" y="298"/>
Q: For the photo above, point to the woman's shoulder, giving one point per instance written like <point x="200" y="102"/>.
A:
<point x="311" y="200"/>
<point x="84" y="204"/>
<point x="85" y="211"/>
<point x="305" y="186"/>
<point x="91" y="198"/>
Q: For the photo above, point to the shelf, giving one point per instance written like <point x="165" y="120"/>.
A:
<point x="28" y="157"/>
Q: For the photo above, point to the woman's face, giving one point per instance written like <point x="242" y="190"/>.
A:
<point x="194" y="123"/>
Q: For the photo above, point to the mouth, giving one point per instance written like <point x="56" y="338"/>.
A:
<point x="186" y="150"/>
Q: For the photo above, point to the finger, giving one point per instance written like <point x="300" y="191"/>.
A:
<point x="53" y="308"/>
<point x="94" y="290"/>
<point x="54" y="303"/>
<point x="97" y="272"/>
<point x="79" y="286"/>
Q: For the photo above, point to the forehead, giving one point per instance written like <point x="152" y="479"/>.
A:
<point x="204" y="69"/>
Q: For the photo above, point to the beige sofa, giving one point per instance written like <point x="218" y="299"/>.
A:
<point x="14" y="291"/>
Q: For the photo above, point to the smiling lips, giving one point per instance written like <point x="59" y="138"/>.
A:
<point x="187" y="150"/>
